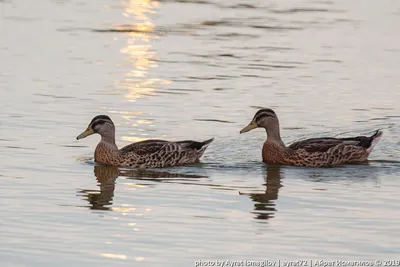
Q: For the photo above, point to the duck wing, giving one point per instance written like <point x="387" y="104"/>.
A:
<point x="154" y="145"/>
<point x="144" y="147"/>
<point x="323" y="144"/>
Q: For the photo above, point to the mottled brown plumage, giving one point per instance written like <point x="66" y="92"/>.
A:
<point x="144" y="154"/>
<point x="314" y="152"/>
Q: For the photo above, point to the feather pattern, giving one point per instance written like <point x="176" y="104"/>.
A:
<point x="314" y="152"/>
<point x="329" y="151"/>
<point x="160" y="153"/>
<point x="145" y="154"/>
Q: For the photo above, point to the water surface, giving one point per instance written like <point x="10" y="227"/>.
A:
<point x="195" y="70"/>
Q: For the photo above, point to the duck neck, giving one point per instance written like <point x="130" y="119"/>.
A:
<point x="109" y="139"/>
<point x="106" y="151"/>
<point x="273" y="134"/>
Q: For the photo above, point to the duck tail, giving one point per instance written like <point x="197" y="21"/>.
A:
<point x="195" y="145"/>
<point x="374" y="140"/>
<point x="206" y="143"/>
<point x="203" y="147"/>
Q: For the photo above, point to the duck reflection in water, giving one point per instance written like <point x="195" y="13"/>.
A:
<point x="101" y="200"/>
<point x="106" y="177"/>
<point x="264" y="207"/>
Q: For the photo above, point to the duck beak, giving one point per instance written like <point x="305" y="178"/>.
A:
<point x="252" y="125"/>
<point x="87" y="132"/>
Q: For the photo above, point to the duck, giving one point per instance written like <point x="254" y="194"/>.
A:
<point x="152" y="153"/>
<point x="313" y="152"/>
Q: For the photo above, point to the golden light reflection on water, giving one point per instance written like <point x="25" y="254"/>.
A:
<point x="114" y="256"/>
<point x="135" y="185"/>
<point x="140" y="56"/>
<point x="124" y="210"/>
<point x="139" y="258"/>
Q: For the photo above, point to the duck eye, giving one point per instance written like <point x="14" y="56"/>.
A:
<point x="97" y="123"/>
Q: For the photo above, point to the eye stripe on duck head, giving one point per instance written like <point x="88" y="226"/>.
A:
<point x="265" y="112"/>
<point x="101" y="119"/>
